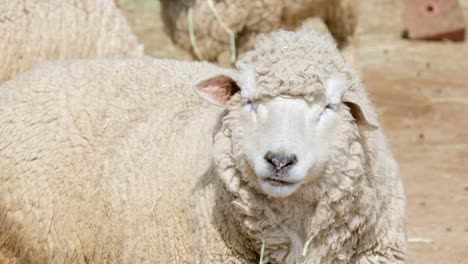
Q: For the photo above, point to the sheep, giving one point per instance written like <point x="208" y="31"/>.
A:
<point x="218" y="30"/>
<point x="308" y="174"/>
<point x="120" y="161"/>
<point x="36" y="30"/>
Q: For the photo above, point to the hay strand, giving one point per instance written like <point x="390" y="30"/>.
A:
<point x="263" y="259"/>
<point x="420" y="240"/>
<point x="306" y="247"/>
<point x="232" y="36"/>
<point x="193" y="40"/>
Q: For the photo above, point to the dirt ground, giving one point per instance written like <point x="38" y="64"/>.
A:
<point x="421" y="92"/>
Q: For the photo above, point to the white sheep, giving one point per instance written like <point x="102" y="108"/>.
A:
<point x="307" y="169"/>
<point x="118" y="161"/>
<point x="221" y="30"/>
<point x="36" y="30"/>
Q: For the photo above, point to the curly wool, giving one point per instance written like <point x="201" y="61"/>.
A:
<point x="293" y="63"/>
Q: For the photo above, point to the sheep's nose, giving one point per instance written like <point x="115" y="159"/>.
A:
<point x="280" y="161"/>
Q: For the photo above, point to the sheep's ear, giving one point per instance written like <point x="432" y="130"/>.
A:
<point x="360" y="110"/>
<point x="217" y="89"/>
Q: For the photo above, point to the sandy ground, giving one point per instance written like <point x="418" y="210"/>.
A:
<point x="421" y="92"/>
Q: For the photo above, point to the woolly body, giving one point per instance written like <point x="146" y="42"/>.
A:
<point x="114" y="161"/>
<point x="97" y="161"/>
<point x="37" y="30"/>
<point x="247" y="18"/>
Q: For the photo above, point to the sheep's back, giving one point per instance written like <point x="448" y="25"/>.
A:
<point x="98" y="159"/>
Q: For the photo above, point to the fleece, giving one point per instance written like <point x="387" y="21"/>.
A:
<point x="98" y="160"/>
<point x="37" y="30"/>
<point x="248" y="18"/>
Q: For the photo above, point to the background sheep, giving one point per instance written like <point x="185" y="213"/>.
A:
<point x="245" y="19"/>
<point x="36" y="30"/>
<point x="114" y="160"/>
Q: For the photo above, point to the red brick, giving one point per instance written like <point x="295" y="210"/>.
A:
<point x="434" y="20"/>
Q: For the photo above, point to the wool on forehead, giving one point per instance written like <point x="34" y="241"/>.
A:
<point x="290" y="63"/>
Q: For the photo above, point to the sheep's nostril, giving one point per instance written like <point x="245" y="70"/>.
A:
<point x="280" y="161"/>
<point x="291" y="160"/>
<point x="269" y="158"/>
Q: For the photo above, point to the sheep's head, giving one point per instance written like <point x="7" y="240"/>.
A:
<point x="291" y="109"/>
<point x="285" y="140"/>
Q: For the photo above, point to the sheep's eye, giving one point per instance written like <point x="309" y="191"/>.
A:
<point x="252" y="105"/>
<point x="331" y="106"/>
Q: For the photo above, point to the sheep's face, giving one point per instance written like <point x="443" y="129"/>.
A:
<point x="286" y="141"/>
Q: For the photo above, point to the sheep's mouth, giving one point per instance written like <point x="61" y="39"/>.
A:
<point x="278" y="182"/>
<point x="279" y="186"/>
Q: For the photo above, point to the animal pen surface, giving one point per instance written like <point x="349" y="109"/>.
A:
<point x="421" y="92"/>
